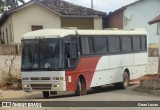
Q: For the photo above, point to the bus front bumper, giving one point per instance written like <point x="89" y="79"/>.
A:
<point x="44" y="86"/>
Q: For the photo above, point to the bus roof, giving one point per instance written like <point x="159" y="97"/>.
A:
<point x="51" y="33"/>
<point x="55" y="33"/>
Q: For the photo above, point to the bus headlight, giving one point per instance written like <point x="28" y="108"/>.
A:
<point x="55" y="85"/>
<point x="26" y="86"/>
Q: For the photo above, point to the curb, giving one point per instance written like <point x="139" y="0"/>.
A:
<point x="151" y="92"/>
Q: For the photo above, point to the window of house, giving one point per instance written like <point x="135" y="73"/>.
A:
<point x="114" y="44"/>
<point x="10" y="29"/>
<point x="0" y="37"/>
<point x="143" y="43"/>
<point x="87" y="45"/>
<point x="136" y="40"/>
<point x="126" y="44"/>
<point x="7" y="41"/>
<point x="100" y="44"/>
<point x="3" y="40"/>
<point x="36" y="27"/>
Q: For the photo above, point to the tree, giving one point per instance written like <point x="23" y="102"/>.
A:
<point x="13" y="3"/>
<point x="2" y="4"/>
<point x="8" y="4"/>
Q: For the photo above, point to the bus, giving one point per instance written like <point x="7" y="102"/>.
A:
<point x="55" y="60"/>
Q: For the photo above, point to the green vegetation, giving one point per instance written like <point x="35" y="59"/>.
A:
<point x="8" y="4"/>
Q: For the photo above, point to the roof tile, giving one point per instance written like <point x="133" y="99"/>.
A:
<point x="66" y="8"/>
<point x="61" y="7"/>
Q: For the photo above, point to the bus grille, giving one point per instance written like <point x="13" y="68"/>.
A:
<point x="40" y="78"/>
<point x="41" y="86"/>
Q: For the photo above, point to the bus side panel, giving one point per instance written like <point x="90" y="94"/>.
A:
<point x="140" y="68"/>
<point x="86" y="67"/>
<point x="110" y="69"/>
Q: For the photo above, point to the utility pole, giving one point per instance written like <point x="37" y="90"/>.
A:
<point x="158" y="33"/>
<point x="91" y="4"/>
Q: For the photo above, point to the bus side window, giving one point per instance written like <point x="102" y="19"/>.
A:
<point x="114" y="44"/>
<point x="100" y="44"/>
<point x="67" y="50"/>
<point x="87" y="45"/>
<point x="71" y="54"/>
<point x="136" y="43"/>
<point x="126" y="43"/>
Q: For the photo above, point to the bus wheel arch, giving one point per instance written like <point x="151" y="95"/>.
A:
<point x="127" y="70"/>
<point x="80" y="86"/>
<point x="125" y="80"/>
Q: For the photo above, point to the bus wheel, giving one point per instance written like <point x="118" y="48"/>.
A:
<point x="80" y="87"/>
<point x="45" y="94"/>
<point x="125" y="83"/>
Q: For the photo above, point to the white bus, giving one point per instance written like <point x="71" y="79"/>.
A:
<point x="75" y="60"/>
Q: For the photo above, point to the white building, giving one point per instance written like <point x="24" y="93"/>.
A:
<point x="136" y="15"/>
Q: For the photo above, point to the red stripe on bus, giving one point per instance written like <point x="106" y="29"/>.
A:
<point x="86" y="67"/>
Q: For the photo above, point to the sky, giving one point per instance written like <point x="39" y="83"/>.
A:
<point x="102" y="5"/>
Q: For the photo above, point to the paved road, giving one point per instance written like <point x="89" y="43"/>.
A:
<point x="108" y="93"/>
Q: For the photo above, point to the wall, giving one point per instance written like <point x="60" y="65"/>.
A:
<point x="80" y="23"/>
<point x="33" y="15"/>
<point x="9" y="62"/>
<point x="115" y="20"/>
<point x="138" y="16"/>
<point x="8" y="50"/>
<point x="9" y="26"/>
<point x="98" y="23"/>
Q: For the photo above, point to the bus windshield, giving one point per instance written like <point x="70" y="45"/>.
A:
<point x="42" y="54"/>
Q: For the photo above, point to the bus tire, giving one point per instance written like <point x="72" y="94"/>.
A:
<point x="125" y="83"/>
<point x="46" y="94"/>
<point x="78" y="88"/>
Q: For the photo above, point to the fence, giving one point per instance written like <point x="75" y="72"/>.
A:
<point x="10" y="61"/>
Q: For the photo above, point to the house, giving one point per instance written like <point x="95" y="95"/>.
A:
<point x="135" y="15"/>
<point x="39" y="14"/>
<point x="151" y="22"/>
<point x="155" y="20"/>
